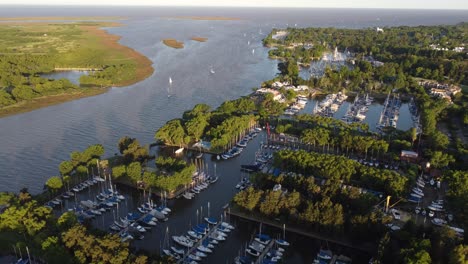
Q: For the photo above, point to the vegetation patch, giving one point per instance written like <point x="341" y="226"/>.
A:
<point x="30" y="49"/>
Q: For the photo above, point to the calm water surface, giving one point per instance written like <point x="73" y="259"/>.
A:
<point x="33" y="144"/>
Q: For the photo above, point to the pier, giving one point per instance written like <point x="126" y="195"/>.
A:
<point x="265" y="251"/>
<point x="198" y="243"/>
<point x="368" y="248"/>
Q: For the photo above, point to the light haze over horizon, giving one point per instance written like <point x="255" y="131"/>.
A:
<point x="399" y="4"/>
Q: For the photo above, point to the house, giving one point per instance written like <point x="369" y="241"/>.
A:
<point x="408" y="155"/>
<point x="277" y="96"/>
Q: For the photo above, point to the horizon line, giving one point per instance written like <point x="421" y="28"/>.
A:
<point x="232" y="6"/>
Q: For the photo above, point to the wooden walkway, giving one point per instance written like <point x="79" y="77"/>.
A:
<point x="369" y="248"/>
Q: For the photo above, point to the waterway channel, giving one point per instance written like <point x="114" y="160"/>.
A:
<point x="188" y="213"/>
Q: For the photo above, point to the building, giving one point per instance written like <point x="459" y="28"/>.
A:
<point x="408" y="155"/>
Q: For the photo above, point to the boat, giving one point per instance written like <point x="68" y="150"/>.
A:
<point x="227" y="225"/>
<point x="170" y="80"/>
<point x="194" y="234"/>
<point x="212" y="71"/>
<point x="194" y="257"/>
<point x="125" y="236"/>
<point x="438" y="221"/>
<point x="179" y="150"/>
<point x="323" y="255"/>
<point x="213" y="180"/>
<point x="114" y="227"/>
<point x="178" y="251"/>
<point x="200" y="254"/>
<point x="282" y="242"/>
<point x="263" y="239"/>
<point x="211" y="220"/>
<point x="183" y="241"/>
<point x="204" y="249"/>
<point x="252" y="252"/>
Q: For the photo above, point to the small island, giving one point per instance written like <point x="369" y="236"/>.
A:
<point x="199" y="39"/>
<point x="173" y="43"/>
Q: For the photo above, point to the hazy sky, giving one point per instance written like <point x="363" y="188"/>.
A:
<point x="418" y="4"/>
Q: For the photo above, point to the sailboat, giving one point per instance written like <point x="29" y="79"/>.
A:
<point x="169" y="88"/>
<point x="215" y="179"/>
<point x="253" y="51"/>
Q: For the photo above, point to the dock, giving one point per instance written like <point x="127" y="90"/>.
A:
<point x="364" y="248"/>
<point x="198" y="243"/>
<point x="265" y="251"/>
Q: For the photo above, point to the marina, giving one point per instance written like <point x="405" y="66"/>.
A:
<point x="390" y="112"/>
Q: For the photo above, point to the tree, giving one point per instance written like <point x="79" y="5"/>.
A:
<point x="124" y="142"/>
<point x="66" y="167"/>
<point x="459" y="255"/>
<point x="440" y="159"/>
<point x="134" y="171"/>
<point x="196" y="127"/>
<point x="420" y="257"/>
<point x="119" y="171"/>
<point x="54" y="183"/>
<point x="413" y="135"/>
<point x="172" y="133"/>
<point x="248" y="199"/>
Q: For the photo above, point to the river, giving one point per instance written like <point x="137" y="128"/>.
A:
<point x="34" y="143"/>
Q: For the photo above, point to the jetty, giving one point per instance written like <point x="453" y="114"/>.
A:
<point x="250" y="217"/>
<point x="265" y="251"/>
<point x="390" y="113"/>
<point x="198" y="243"/>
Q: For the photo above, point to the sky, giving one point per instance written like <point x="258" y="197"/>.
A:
<point x="412" y="4"/>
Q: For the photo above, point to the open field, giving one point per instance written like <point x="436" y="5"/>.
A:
<point x="173" y="43"/>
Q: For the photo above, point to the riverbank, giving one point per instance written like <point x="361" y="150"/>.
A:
<point x="45" y="101"/>
<point x="72" y="46"/>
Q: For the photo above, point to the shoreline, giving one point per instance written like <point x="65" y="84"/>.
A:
<point x="144" y="69"/>
<point x="50" y="100"/>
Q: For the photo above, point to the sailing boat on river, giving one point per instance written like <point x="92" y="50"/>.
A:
<point x="169" y="87"/>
